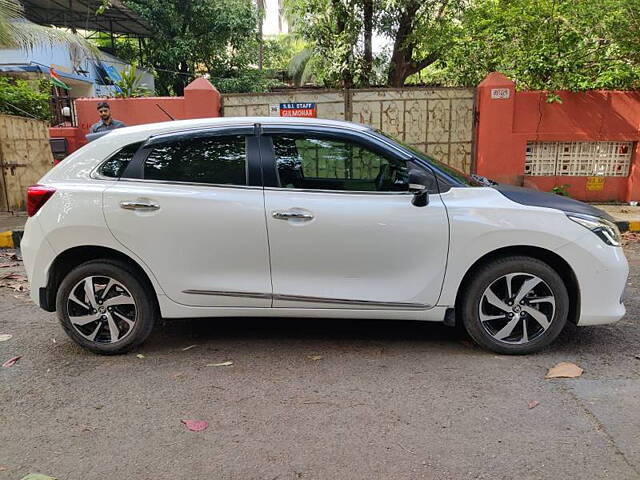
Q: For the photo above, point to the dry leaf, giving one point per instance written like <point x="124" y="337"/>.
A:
<point x="222" y="364"/>
<point x="195" y="425"/>
<point x="140" y="355"/>
<point x="11" y="362"/>
<point x="188" y="348"/>
<point x="638" y="356"/>
<point x="314" y="357"/>
<point x="37" y="476"/>
<point x="564" y="370"/>
<point x="533" y="404"/>
<point x="5" y="336"/>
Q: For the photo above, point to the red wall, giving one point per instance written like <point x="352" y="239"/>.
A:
<point x="507" y="124"/>
<point x="200" y="100"/>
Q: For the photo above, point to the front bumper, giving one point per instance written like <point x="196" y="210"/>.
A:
<point x="602" y="273"/>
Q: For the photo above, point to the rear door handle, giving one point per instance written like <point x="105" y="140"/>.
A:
<point x="139" y="205"/>
<point x="289" y="215"/>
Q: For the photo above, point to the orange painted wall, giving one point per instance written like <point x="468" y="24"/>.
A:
<point x="507" y="124"/>
<point x="200" y="100"/>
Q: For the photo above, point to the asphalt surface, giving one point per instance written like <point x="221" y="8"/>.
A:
<point x="317" y="399"/>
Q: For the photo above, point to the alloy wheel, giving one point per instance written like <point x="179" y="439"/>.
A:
<point x="517" y="308"/>
<point x="101" y="309"/>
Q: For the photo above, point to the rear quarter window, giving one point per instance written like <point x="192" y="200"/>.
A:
<point x="115" y="165"/>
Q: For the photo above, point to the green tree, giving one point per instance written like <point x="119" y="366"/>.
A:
<point x="341" y="31"/>
<point x="22" y="98"/>
<point x="193" y="37"/>
<point x="547" y="44"/>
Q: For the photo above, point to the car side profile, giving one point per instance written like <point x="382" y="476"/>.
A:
<point x="277" y="217"/>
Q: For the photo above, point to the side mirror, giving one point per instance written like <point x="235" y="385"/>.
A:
<point x="418" y="181"/>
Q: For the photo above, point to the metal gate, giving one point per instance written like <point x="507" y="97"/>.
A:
<point x="25" y="156"/>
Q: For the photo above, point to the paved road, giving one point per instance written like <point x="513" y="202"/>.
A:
<point x="386" y="400"/>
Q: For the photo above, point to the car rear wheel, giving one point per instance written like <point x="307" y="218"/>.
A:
<point x="515" y="305"/>
<point x="106" y="307"/>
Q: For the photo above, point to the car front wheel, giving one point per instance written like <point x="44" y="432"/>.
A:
<point x="105" y="307"/>
<point x="515" y="305"/>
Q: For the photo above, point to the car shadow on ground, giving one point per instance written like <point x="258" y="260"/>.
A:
<point x="264" y="333"/>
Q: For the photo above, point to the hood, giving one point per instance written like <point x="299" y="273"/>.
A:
<point x="535" y="198"/>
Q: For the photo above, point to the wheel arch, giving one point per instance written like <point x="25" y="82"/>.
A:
<point x="72" y="257"/>
<point x="552" y="259"/>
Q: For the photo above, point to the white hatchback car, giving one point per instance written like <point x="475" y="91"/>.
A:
<point x="307" y="218"/>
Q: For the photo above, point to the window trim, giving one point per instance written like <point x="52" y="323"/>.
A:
<point x="95" y="173"/>
<point x="135" y="169"/>
<point x="370" y="142"/>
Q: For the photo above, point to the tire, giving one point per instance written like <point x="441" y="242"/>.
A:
<point x="528" y="324"/>
<point x="122" y="306"/>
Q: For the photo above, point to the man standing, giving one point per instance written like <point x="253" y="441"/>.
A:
<point x="107" y="122"/>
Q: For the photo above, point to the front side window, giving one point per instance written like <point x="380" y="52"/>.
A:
<point x="218" y="160"/>
<point x="114" y="167"/>
<point x="317" y="163"/>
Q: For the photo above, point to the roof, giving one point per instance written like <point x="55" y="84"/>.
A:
<point x="182" y="125"/>
<point x="81" y="15"/>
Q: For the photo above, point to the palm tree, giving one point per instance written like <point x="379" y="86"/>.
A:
<point x="17" y="32"/>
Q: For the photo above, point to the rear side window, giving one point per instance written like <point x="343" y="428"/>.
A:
<point x="114" y="167"/>
<point x="218" y="160"/>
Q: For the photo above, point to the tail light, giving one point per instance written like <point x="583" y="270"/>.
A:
<point x="37" y="196"/>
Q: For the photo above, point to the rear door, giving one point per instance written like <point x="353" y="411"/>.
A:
<point x="191" y="207"/>
<point x="343" y="231"/>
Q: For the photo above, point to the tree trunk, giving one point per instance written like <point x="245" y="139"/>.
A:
<point x="368" y="35"/>
<point x="261" y="13"/>
<point x="402" y="49"/>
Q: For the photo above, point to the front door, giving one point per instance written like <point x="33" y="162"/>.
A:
<point x="189" y="211"/>
<point x="343" y="232"/>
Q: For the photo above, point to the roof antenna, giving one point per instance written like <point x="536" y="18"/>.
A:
<point x="164" y="111"/>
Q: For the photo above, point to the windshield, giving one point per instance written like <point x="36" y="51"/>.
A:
<point x="469" y="180"/>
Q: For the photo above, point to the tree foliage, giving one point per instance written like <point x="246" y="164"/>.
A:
<point x="547" y="44"/>
<point x="541" y="44"/>
<point x="341" y="31"/>
<point x="23" y="98"/>
<point x="193" y="37"/>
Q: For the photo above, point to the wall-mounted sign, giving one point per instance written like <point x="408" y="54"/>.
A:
<point x="500" y="93"/>
<point x="296" y="109"/>
<point x="595" y="184"/>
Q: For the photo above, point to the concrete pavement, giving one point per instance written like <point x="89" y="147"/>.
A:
<point x="386" y="399"/>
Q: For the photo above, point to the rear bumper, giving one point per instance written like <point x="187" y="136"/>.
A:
<point x="602" y="273"/>
<point x="37" y="255"/>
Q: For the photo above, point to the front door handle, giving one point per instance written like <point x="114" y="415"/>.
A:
<point x="287" y="215"/>
<point x="139" y="205"/>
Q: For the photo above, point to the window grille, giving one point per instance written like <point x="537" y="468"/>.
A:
<point x="607" y="159"/>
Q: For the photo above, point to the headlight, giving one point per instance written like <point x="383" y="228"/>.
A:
<point x="604" y="229"/>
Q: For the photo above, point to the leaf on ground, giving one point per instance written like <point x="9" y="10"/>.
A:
<point x="5" y="336"/>
<point x="564" y="370"/>
<point x="140" y="355"/>
<point x="11" y="362"/>
<point x="38" y="476"/>
<point x="221" y="364"/>
<point x="638" y="356"/>
<point x="195" y="425"/>
<point x="188" y="348"/>
<point x="533" y="404"/>
<point x="314" y="357"/>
